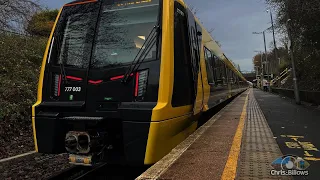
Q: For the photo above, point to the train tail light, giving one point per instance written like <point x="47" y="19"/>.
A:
<point x="141" y="84"/>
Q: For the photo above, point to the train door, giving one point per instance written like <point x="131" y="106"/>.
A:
<point x="195" y="40"/>
<point x="183" y="88"/>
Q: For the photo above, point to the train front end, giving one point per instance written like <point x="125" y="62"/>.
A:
<point x="99" y="81"/>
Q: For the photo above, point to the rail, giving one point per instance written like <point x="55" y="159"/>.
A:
<point x="77" y="172"/>
<point x="281" y="76"/>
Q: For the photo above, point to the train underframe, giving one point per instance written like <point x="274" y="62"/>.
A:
<point x="89" y="140"/>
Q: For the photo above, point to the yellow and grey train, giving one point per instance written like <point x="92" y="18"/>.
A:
<point x="125" y="81"/>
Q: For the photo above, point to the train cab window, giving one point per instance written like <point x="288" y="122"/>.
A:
<point x="183" y="81"/>
<point x="207" y="56"/>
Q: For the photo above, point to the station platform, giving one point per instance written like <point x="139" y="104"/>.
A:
<point x="244" y="140"/>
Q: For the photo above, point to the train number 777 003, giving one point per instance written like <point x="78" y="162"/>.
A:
<point x="72" y="89"/>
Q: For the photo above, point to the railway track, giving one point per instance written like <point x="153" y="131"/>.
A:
<point x="77" y="172"/>
<point x="101" y="171"/>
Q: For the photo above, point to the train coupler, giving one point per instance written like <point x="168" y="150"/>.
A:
<point x="81" y="160"/>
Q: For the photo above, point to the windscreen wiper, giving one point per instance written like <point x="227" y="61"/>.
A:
<point x="142" y="54"/>
<point x="61" y="65"/>
<point x="57" y="36"/>
<point x="63" y="73"/>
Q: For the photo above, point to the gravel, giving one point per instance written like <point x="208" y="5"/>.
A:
<point x="15" y="137"/>
<point x="35" y="166"/>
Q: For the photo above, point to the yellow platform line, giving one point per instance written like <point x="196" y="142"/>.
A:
<point x="230" y="168"/>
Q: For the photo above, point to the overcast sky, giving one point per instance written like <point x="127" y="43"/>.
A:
<point x="233" y="22"/>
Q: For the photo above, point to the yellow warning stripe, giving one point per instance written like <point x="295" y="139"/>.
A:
<point x="230" y="168"/>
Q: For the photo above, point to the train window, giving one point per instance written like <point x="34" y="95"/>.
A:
<point x="183" y="79"/>
<point x="225" y="75"/>
<point x="230" y="75"/>
<point x="207" y="56"/>
<point x="195" y="48"/>
<point x="219" y="70"/>
<point x="73" y="36"/>
<point x="234" y="78"/>
<point x="110" y="37"/>
<point x="122" y="32"/>
<point x="214" y="67"/>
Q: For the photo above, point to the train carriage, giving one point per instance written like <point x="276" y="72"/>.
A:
<point x="126" y="81"/>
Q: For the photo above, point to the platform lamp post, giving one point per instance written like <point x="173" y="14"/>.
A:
<point x="257" y="73"/>
<point x="266" y="55"/>
<point x="274" y="38"/>
<point x="295" y="83"/>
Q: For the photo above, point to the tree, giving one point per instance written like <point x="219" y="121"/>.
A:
<point x="304" y="27"/>
<point x="257" y="60"/>
<point x="304" y="20"/>
<point x="42" y="22"/>
<point x="15" y="14"/>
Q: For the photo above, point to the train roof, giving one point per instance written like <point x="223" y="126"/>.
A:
<point x="80" y="1"/>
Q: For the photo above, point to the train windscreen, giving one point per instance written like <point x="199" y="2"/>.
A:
<point x="104" y="34"/>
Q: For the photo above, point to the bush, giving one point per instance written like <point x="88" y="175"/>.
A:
<point x="20" y="59"/>
<point x="42" y="22"/>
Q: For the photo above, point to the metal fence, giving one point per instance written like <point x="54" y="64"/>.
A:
<point x="306" y="96"/>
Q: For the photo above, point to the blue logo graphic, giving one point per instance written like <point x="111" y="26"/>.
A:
<point x="290" y="162"/>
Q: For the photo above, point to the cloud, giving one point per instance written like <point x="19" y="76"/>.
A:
<point x="233" y="22"/>
<point x="245" y="64"/>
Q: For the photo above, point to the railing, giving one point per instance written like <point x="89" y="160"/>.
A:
<point x="283" y="77"/>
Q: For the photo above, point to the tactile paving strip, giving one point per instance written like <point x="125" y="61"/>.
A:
<point x="259" y="149"/>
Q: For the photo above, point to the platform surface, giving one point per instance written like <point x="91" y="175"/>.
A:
<point x="296" y="128"/>
<point x="242" y="141"/>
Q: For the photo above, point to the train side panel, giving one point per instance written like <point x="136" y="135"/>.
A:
<point x="174" y="121"/>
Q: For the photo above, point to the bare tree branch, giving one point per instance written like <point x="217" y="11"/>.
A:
<point x="15" y="14"/>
